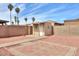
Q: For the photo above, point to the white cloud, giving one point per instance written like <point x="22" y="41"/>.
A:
<point x="38" y="6"/>
<point x="42" y="15"/>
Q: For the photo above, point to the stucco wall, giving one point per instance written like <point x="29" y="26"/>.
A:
<point x="6" y="31"/>
<point x="66" y="30"/>
<point x="3" y="32"/>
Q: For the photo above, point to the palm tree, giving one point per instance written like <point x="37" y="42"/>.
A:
<point x="26" y="24"/>
<point x="17" y="10"/>
<point x="18" y="22"/>
<point x="15" y="18"/>
<point x="25" y="20"/>
<point x="10" y="7"/>
<point x="12" y="23"/>
<point x="33" y="19"/>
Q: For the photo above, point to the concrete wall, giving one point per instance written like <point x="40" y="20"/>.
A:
<point x="66" y="30"/>
<point x="6" y="31"/>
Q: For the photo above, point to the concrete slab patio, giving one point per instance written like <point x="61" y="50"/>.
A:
<point x="47" y="46"/>
<point x="17" y="40"/>
<point x="41" y="48"/>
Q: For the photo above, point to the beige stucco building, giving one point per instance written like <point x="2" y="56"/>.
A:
<point x="44" y="28"/>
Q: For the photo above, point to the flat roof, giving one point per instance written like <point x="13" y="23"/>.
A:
<point x="39" y="22"/>
<point x="47" y="22"/>
<point x="3" y="21"/>
<point x="71" y="20"/>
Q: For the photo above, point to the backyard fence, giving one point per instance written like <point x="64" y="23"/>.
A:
<point x="19" y="30"/>
<point x="66" y="30"/>
<point x="13" y="30"/>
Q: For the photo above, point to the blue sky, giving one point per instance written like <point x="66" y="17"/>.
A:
<point x="41" y="11"/>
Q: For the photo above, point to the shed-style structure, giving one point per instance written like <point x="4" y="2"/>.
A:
<point x="3" y="22"/>
<point x="44" y="28"/>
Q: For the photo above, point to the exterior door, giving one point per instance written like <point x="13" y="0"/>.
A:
<point x="41" y="27"/>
